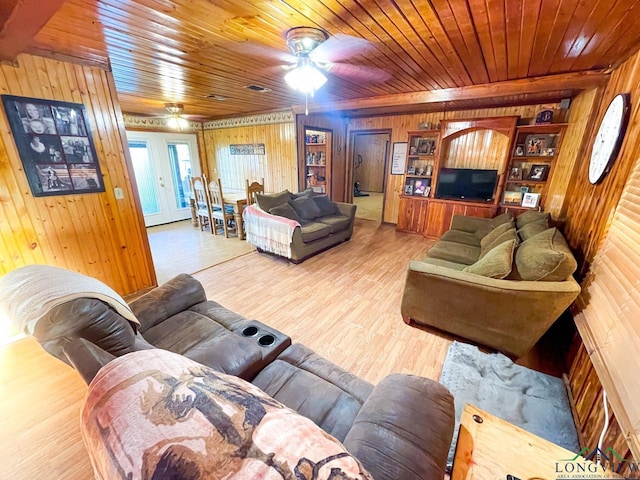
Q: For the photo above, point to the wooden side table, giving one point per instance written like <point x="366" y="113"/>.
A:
<point x="491" y="448"/>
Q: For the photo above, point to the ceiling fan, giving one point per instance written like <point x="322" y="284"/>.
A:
<point x="314" y="52"/>
<point x="175" y="119"/>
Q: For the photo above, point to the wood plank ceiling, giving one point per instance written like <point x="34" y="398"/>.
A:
<point x="186" y="50"/>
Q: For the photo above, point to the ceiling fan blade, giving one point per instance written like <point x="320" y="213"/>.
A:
<point x="261" y="50"/>
<point x="358" y="72"/>
<point x="339" y="47"/>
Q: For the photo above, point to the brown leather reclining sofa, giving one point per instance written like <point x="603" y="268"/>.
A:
<point x="399" y="429"/>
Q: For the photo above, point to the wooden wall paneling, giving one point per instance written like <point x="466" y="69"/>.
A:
<point x="203" y="154"/>
<point x="126" y="215"/>
<point x="338" y="125"/>
<point x="589" y="409"/>
<point x="602" y="223"/>
<point x="278" y="166"/>
<point x="91" y="233"/>
<point x="580" y="120"/>
<point x="478" y="149"/>
<point x="401" y="124"/>
<point x="131" y="182"/>
<point x="589" y="207"/>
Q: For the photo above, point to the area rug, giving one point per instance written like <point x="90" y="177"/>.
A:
<point x="534" y="401"/>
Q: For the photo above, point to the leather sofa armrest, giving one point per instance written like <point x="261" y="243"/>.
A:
<point x="468" y="224"/>
<point x="404" y="429"/>
<point x="178" y="294"/>
<point x="86" y="357"/>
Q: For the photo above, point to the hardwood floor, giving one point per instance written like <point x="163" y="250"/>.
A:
<point x="344" y="303"/>
<point x="182" y="248"/>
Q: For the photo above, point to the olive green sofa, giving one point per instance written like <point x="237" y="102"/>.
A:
<point x="498" y="282"/>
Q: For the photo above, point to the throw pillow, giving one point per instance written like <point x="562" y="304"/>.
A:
<point x="532" y="229"/>
<point x="326" y="206"/>
<point x="496" y="263"/>
<point x="531" y="216"/>
<point x="545" y="257"/>
<point x="483" y="230"/>
<point x="493" y="234"/>
<point x="266" y="201"/>
<point x="305" y="193"/>
<point x="506" y="217"/>
<point x="505" y="237"/>
<point x="157" y="414"/>
<point x="306" y="208"/>
<point x="287" y="211"/>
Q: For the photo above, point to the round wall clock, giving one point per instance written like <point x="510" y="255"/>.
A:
<point x="606" y="145"/>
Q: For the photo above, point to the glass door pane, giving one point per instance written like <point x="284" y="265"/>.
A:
<point x="181" y="171"/>
<point x="145" y="177"/>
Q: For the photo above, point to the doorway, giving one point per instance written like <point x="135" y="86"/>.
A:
<point x="369" y="166"/>
<point x="163" y="164"/>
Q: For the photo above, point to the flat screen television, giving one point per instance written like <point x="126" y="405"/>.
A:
<point x="466" y="184"/>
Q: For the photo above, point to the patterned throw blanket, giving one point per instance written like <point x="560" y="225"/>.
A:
<point x="153" y="414"/>
<point x="28" y="293"/>
<point x="269" y="232"/>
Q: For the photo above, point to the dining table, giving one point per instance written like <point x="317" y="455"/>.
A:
<point x="236" y="198"/>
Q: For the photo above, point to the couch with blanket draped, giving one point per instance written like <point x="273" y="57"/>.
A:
<point x="297" y="225"/>
<point x="181" y="387"/>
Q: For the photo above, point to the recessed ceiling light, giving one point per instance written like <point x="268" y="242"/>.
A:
<point x="258" y="88"/>
<point x="213" y="96"/>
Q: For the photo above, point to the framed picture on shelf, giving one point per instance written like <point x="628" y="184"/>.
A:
<point x="419" y="187"/>
<point x="512" y="197"/>
<point x="519" y="151"/>
<point x="408" y="187"/>
<point x="427" y="191"/>
<point x="538" y="172"/>
<point x="515" y="173"/>
<point x="535" y="144"/>
<point x="426" y="146"/>
<point x="524" y="190"/>
<point x="548" y="152"/>
<point x="531" y="200"/>
<point x="411" y="170"/>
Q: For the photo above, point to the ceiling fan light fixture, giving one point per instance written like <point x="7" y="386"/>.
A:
<point x="304" y="39"/>
<point x="174" y="108"/>
<point x="176" y="120"/>
<point x="305" y="78"/>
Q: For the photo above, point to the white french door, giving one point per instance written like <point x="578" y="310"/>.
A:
<point x="163" y="164"/>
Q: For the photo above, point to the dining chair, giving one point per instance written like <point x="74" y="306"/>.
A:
<point x="218" y="210"/>
<point x="203" y="205"/>
<point x="252" y="189"/>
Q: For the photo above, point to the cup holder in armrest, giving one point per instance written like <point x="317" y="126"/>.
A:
<point x="266" y="340"/>
<point x="252" y="332"/>
<point x="269" y="341"/>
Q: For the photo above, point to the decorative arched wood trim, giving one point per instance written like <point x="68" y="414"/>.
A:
<point x="504" y="125"/>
